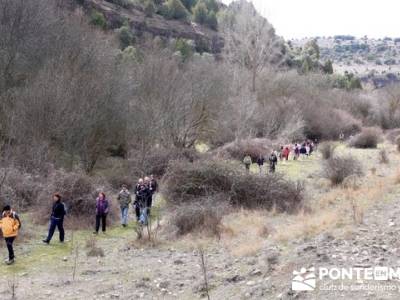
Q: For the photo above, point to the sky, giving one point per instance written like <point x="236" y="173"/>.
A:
<point x="310" y="18"/>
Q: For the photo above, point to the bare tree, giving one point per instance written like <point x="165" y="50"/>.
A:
<point x="250" y="39"/>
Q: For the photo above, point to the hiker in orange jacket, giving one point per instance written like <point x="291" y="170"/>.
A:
<point x="9" y="225"/>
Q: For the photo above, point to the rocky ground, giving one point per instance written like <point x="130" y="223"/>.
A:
<point x="172" y="268"/>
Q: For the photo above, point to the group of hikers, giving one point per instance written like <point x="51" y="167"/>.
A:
<point x="306" y="149"/>
<point x="144" y="192"/>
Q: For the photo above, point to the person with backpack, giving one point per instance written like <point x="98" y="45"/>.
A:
<point x="260" y="163"/>
<point x="124" y="200"/>
<point x="273" y="161"/>
<point x="58" y="213"/>
<point x="102" y="209"/>
<point x="247" y="162"/>
<point x="10" y="225"/>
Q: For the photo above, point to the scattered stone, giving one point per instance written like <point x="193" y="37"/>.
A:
<point x="256" y="272"/>
<point x="178" y="262"/>
<point x="235" y="278"/>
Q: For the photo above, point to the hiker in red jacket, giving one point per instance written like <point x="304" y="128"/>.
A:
<point x="286" y="152"/>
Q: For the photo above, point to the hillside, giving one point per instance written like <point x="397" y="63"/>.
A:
<point x="142" y="23"/>
<point x="376" y="61"/>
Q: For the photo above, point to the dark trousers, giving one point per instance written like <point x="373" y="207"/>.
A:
<point x="59" y="223"/>
<point x="9" y="243"/>
<point x="137" y="210"/>
<point x="103" y="219"/>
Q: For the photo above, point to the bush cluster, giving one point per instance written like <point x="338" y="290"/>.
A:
<point x="368" y="138"/>
<point x="205" y="217"/>
<point x="187" y="182"/>
<point x="337" y="169"/>
<point x="238" y="149"/>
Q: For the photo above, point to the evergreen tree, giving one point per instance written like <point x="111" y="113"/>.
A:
<point x="189" y="4"/>
<point x="328" y="67"/>
<point x="200" y="12"/>
<point x="212" y="21"/>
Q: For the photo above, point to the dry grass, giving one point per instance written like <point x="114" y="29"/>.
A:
<point x="244" y="232"/>
<point x="339" y="209"/>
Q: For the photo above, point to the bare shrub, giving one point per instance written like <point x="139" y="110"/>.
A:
<point x="392" y="135"/>
<point x="78" y="191"/>
<point x="19" y="189"/>
<point x="238" y="149"/>
<point x="324" y="123"/>
<point x="337" y="169"/>
<point x="185" y="182"/>
<point x="383" y="157"/>
<point x="92" y="249"/>
<point x="327" y="149"/>
<point x="202" y="217"/>
<point x="368" y="138"/>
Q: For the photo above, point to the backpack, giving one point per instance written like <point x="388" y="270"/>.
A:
<point x="16" y="217"/>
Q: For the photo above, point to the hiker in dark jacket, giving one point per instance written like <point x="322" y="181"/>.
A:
<point x="136" y="202"/>
<point x="260" y="163"/>
<point x="9" y="225"/>
<point x="124" y="199"/>
<point x="153" y="185"/>
<point x="143" y="202"/>
<point x="273" y="161"/>
<point x="57" y="219"/>
<point x="102" y="209"/>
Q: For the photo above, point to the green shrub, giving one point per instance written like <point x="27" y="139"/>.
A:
<point x="174" y="9"/>
<point x="202" y="45"/>
<point x="123" y="3"/>
<point x="149" y="8"/>
<point x="98" y="19"/>
<point x="212" y="20"/>
<point x="189" y="4"/>
<point x="126" y="38"/>
<point x="184" y="48"/>
<point x="200" y="13"/>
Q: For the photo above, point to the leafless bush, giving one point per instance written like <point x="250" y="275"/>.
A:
<point x="20" y="189"/>
<point x="79" y="192"/>
<point x="383" y="157"/>
<point x="392" y="135"/>
<point x="238" y="149"/>
<point x="327" y="149"/>
<point x="368" y="138"/>
<point x="192" y="182"/>
<point x="324" y="123"/>
<point x="92" y="249"/>
<point x="200" y="217"/>
<point x="337" y="169"/>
